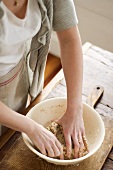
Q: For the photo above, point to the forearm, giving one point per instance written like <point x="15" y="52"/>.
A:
<point x="72" y="62"/>
<point x="14" y="120"/>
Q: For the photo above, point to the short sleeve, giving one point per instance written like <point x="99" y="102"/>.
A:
<point x="64" y="15"/>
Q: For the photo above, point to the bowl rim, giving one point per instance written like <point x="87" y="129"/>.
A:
<point x="53" y="160"/>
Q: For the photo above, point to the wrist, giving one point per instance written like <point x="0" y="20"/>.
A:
<point x="29" y="127"/>
<point x="74" y="103"/>
<point x="75" y="108"/>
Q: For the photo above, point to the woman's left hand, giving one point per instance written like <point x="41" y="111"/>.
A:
<point x="73" y="129"/>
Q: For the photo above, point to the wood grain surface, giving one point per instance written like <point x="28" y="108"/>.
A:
<point x="98" y="70"/>
<point x="95" y="95"/>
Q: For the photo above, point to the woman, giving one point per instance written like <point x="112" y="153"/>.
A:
<point x="22" y="69"/>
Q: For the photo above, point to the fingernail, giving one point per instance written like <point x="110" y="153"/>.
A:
<point x="76" y="156"/>
<point x="61" y="157"/>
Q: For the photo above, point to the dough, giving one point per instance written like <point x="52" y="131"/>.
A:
<point x="57" y="130"/>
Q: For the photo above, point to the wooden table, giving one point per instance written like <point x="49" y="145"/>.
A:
<point x="98" y="70"/>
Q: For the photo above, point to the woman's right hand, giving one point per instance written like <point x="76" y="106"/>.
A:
<point x="45" y="141"/>
<point x="41" y="137"/>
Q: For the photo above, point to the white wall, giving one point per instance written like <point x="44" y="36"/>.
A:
<point x="95" y="24"/>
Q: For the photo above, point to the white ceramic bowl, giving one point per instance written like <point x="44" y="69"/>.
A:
<point x="54" y="108"/>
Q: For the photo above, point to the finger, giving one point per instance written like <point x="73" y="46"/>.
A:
<point x="76" y="145"/>
<point x="49" y="150"/>
<point x="60" y="147"/>
<point x="56" y="150"/>
<point x="81" y="145"/>
<point x="85" y="142"/>
<point x="68" y="144"/>
<point x="62" y="156"/>
<point x="41" y="148"/>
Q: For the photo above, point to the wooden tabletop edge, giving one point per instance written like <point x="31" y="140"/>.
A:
<point x="86" y="46"/>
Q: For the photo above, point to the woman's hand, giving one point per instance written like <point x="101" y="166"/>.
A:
<point x="41" y="137"/>
<point x="45" y="141"/>
<point x="73" y="129"/>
